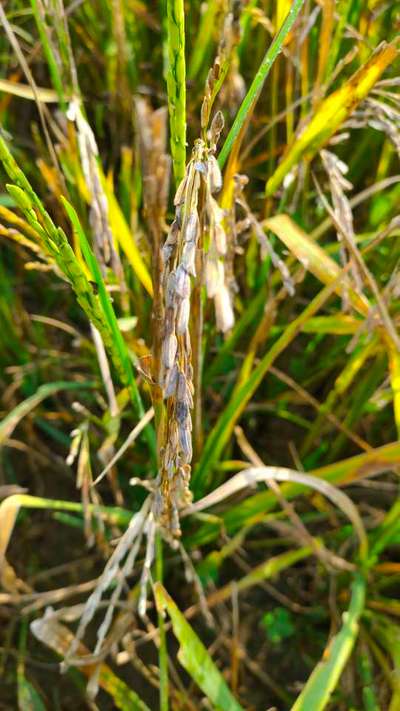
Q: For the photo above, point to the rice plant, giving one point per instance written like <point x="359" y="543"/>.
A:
<point x="200" y="355"/>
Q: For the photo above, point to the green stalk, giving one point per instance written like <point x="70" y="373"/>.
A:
<point x="109" y="313"/>
<point x="257" y="84"/>
<point x="203" y="40"/>
<point x="54" y="241"/>
<point x="98" y="309"/>
<point x="366" y="672"/>
<point x="176" y="85"/>
<point x="317" y="692"/>
<point x="245" y="21"/>
<point x="28" y="696"/>
<point x="114" y="515"/>
<point x="343" y="10"/>
<point x="47" y="49"/>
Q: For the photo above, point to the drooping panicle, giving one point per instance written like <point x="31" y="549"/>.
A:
<point x="199" y="221"/>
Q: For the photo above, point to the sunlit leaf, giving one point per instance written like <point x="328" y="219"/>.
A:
<point x="339" y="324"/>
<point x="394" y="367"/>
<point x="315" y="259"/>
<point x="332" y="112"/>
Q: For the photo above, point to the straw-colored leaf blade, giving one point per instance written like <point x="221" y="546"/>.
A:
<point x="331" y="113"/>
<point x="250" y="476"/>
<point x="194" y="656"/>
<point x="282" y="9"/>
<point x="59" y="638"/>
<point x="24" y="91"/>
<point x="254" y="508"/>
<point x="327" y="26"/>
<point x="315" y="259"/>
<point x="8" y="515"/>
<point x="324" y="679"/>
<point x="349" y="470"/>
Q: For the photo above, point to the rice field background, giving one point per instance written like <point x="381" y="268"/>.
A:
<point x="199" y="355"/>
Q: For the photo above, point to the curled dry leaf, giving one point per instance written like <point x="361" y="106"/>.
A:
<point x="254" y="475"/>
<point x="332" y="112"/>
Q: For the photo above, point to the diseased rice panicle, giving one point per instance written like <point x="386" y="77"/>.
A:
<point x="196" y="210"/>
<point x="98" y="210"/>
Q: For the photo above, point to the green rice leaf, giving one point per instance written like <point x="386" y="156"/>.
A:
<point x="194" y="657"/>
<point x="324" y="679"/>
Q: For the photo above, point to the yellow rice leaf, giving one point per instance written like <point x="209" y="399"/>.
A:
<point x="339" y="324"/>
<point x="394" y="369"/>
<point x="126" y="240"/>
<point x="45" y="96"/>
<point x="282" y="9"/>
<point x="13" y="219"/>
<point x="16" y="236"/>
<point x="331" y="113"/>
<point x="315" y="259"/>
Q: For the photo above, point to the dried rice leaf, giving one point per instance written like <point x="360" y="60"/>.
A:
<point x="315" y="259"/>
<point x="59" y="638"/>
<point x="332" y="112"/>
